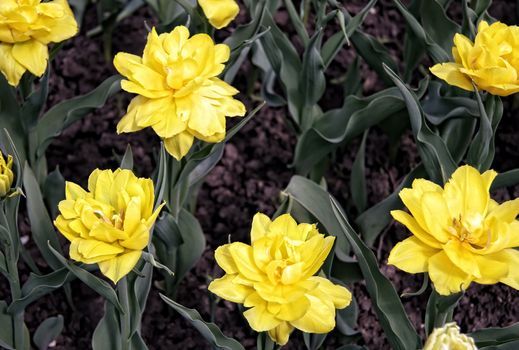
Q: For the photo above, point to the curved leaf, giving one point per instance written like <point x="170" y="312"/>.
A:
<point x="390" y="311"/>
<point x="208" y="330"/>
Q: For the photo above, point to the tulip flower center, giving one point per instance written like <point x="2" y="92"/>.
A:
<point x="116" y="221"/>
<point x="460" y="231"/>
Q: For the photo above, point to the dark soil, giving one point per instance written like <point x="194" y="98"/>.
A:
<point x="249" y="178"/>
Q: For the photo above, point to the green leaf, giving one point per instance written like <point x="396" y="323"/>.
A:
<point x="315" y="199"/>
<point x="37" y="286"/>
<point x="439" y="310"/>
<point x="6" y="331"/>
<point x="506" y="179"/>
<point x="398" y="329"/>
<point x="98" y="285"/>
<point x="339" y="126"/>
<point x="358" y="187"/>
<point x="372" y="221"/>
<point x="41" y="225"/>
<point x="127" y="159"/>
<point x="433" y="151"/>
<point x="107" y="335"/>
<point x="496" y="336"/>
<point x="208" y="330"/>
<point x="347" y="318"/>
<point x="438" y="26"/>
<point x="314" y="341"/>
<point x="67" y="112"/>
<point x="435" y="51"/>
<point x="312" y="81"/>
<point x="47" y="331"/>
<point x="184" y="243"/>
<point x="54" y="191"/>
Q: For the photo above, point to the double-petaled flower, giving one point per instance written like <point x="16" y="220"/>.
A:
<point x="449" y="337"/>
<point x="109" y="224"/>
<point x="491" y="62"/>
<point x="180" y="96"/>
<point x="460" y="234"/>
<point x="26" y="28"/>
<point x="274" y="278"/>
<point x="6" y="174"/>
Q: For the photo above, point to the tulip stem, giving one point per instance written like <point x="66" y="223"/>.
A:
<point x="122" y="291"/>
<point x="16" y="293"/>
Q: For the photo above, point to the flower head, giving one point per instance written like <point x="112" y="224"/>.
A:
<point x="180" y="96"/>
<point x="219" y="12"/>
<point x="491" y="61"/>
<point x="109" y="224"/>
<point x="26" y="28"/>
<point x="449" y="337"/>
<point x="460" y="234"/>
<point x="6" y="175"/>
<point x="274" y="278"/>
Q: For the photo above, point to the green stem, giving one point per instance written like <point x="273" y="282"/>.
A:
<point x="122" y="291"/>
<point x="16" y="293"/>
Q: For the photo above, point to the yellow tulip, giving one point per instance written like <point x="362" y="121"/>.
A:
<point x="180" y="96"/>
<point x="460" y="234"/>
<point x="6" y="175"/>
<point x="26" y="28"/>
<point x="449" y="337"/>
<point x="109" y="224"/>
<point x="274" y="278"/>
<point x="219" y="12"/>
<point x="491" y="62"/>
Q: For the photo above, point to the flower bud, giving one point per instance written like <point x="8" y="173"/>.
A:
<point x="449" y="337"/>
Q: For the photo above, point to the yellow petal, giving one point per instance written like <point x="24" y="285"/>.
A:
<point x="474" y="188"/>
<point x="224" y="259"/>
<point x="506" y="211"/>
<point x="446" y="277"/>
<point x="436" y="215"/>
<point x="294" y="310"/>
<point x="461" y="256"/>
<point x="179" y="145"/>
<point x="450" y="72"/>
<point x="243" y="258"/>
<point x="117" y="268"/>
<point x="314" y="252"/>
<point x="226" y="289"/>
<point x="260" y="319"/>
<point x="138" y="239"/>
<point x="10" y="68"/>
<point x="33" y="55"/>
<point x="281" y="333"/>
<point x="284" y="225"/>
<point x="73" y="191"/>
<point x="413" y="226"/>
<point x="260" y="225"/>
<point x="411" y="255"/>
<point x="319" y="318"/>
<point x="337" y="294"/>
<point x="511" y="258"/>
<point x="219" y="12"/>
<point x="493" y="267"/>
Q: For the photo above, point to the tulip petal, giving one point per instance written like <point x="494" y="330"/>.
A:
<point x="413" y="226"/>
<point x="118" y="267"/>
<point x="337" y="294"/>
<point x="179" y="145"/>
<point x="493" y="267"/>
<point x="450" y="72"/>
<point x="73" y="191"/>
<point x="226" y="289"/>
<point x="281" y="333"/>
<point x="260" y="225"/>
<point x="319" y="318"/>
<point x="461" y="256"/>
<point x="224" y="259"/>
<point x="242" y="255"/>
<point x="33" y="55"/>
<point x="260" y="319"/>
<point x="411" y="255"/>
<point x="284" y="225"/>
<point x="447" y="277"/>
<point x="10" y="68"/>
